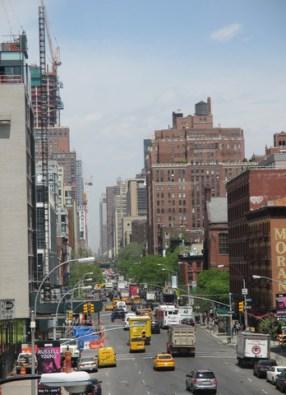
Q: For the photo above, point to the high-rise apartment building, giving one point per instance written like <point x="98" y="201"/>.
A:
<point x="185" y="162"/>
<point x="103" y="225"/>
<point x="111" y="192"/>
<point x="17" y="197"/>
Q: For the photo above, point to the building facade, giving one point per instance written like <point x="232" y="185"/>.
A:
<point x="216" y="234"/>
<point x="251" y="190"/>
<point x="183" y="162"/>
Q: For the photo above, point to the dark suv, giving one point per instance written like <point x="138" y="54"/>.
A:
<point x="261" y="367"/>
<point x="155" y="327"/>
<point x="281" y="381"/>
<point x="201" y="380"/>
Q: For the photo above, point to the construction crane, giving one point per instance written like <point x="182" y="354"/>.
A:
<point x="54" y="52"/>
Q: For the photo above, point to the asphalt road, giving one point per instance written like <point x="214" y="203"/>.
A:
<point x="134" y="373"/>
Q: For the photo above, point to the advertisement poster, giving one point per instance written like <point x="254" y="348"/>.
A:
<point x="49" y="361"/>
<point x="281" y="306"/>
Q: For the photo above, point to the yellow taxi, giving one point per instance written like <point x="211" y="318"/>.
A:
<point x="164" y="361"/>
<point x="106" y="357"/>
<point x="108" y="307"/>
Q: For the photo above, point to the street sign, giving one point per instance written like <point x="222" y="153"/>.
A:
<point x="244" y="291"/>
<point x="7" y="309"/>
<point x="248" y="299"/>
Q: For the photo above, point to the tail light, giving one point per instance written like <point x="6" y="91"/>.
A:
<point x="194" y="381"/>
<point x="213" y="381"/>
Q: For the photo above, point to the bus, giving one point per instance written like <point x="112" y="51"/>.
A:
<point x="167" y="315"/>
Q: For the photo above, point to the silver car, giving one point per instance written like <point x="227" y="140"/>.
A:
<point x="201" y="380"/>
<point x="88" y="363"/>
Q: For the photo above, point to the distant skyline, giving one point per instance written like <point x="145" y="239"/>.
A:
<point x="126" y="65"/>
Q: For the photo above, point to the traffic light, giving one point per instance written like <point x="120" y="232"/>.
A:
<point x="241" y="307"/>
<point x="47" y="293"/>
<point x="91" y="308"/>
<point x="69" y="315"/>
<point x="85" y="308"/>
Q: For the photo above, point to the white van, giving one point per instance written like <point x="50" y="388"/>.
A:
<point x="126" y="321"/>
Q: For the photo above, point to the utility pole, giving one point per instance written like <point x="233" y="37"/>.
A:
<point x="245" y="292"/>
<point x="230" y="316"/>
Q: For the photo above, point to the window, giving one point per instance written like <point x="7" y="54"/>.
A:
<point x="223" y="243"/>
<point x="5" y="126"/>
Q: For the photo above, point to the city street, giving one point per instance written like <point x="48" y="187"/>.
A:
<point x="134" y="373"/>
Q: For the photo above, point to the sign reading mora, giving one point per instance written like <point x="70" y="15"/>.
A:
<point x="7" y="309"/>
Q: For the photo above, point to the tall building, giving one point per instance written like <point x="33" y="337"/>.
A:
<point x="17" y="197"/>
<point x="249" y="192"/>
<point x="184" y="162"/>
<point x="103" y="225"/>
<point x="120" y="212"/>
<point x="111" y="192"/>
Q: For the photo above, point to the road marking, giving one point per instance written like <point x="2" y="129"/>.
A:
<point x="143" y="382"/>
<point x="148" y="393"/>
<point x="249" y="379"/>
<point x="265" y="392"/>
<point x="139" y="372"/>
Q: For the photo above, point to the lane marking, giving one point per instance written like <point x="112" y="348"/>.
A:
<point x="263" y="390"/>
<point x="139" y="372"/>
<point x="143" y="382"/>
<point x="249" y="379"/>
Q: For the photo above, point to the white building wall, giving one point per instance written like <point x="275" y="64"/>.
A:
<point x="14" y="271"/>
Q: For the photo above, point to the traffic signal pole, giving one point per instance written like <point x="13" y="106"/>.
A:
<point x="245" y="306"/>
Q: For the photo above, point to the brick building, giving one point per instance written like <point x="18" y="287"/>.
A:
<point x="251" y="190"/>
<point x="267" y="255"/>
<point x="182" y="163"/>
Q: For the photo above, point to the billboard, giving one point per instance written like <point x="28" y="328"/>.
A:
<point x="49" y="361"/>
<point x="281" y="306"/>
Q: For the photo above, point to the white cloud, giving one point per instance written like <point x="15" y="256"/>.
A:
<point x="226" y="33"/>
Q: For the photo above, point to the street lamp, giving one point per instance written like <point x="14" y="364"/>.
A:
<point x="70" y="291"/>
<point x="274" y="280"/>
<point x="34" y="312"/>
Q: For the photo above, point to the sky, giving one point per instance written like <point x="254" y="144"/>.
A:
<point x="127" y="64"/>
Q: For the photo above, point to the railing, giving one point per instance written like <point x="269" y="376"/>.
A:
<point x="11" y="79"/>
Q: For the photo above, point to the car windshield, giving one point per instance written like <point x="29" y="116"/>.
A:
<point x="164" y="357"/>
<point x="205" y="375"/>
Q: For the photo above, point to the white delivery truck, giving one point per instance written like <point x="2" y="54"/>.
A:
<point x="252" y="346"/>
<point x="150" y="296"/>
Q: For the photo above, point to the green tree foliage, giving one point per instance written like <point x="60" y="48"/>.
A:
<point x="271" y="326"/>
<point x="152" y="269"/>
<point x="213" y="283"/>
<point x="78" y="271"/>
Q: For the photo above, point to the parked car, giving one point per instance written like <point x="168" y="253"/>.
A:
<point x="272" y="374"/>
<point x="87" y="361"/>
<point x="155" y="327"/>
<point x="201" y="381"/>
<point x="164" y="361"/>
<point x="281" y="381"/>
<point x="261" y="367"/>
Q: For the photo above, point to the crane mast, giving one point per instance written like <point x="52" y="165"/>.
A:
<point x="44" y="135"/>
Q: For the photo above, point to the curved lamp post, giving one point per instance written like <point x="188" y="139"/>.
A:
<point x="34" y="312"/>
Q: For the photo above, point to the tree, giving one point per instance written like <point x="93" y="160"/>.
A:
<point x="78" y="271"/>
<point x="214" y="284"/>
<point x="271" y="326"/>
<point x="128" y="257"/>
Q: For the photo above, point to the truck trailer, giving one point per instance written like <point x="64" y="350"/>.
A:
<point x="181" y="340"/>
<point x="251" y="347"/>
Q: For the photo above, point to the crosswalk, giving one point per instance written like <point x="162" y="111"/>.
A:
<point x="220" y="354"/>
